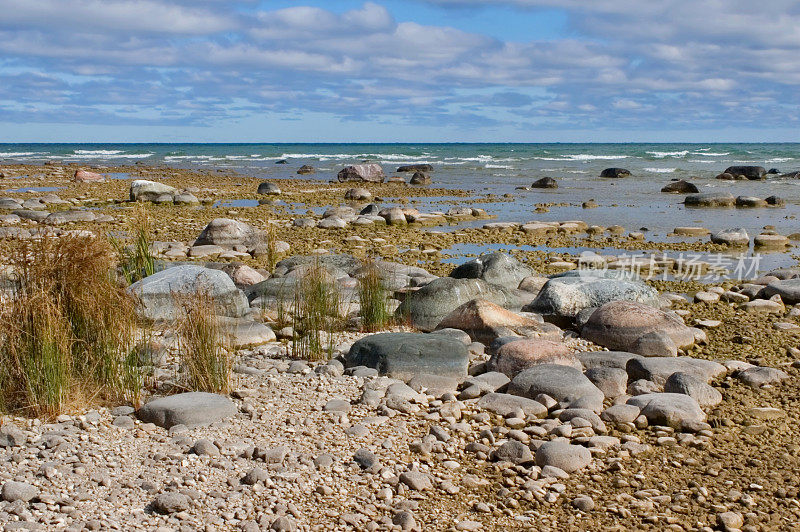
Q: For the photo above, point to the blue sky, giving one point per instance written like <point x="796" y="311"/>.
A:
<point x="405" y="71"/>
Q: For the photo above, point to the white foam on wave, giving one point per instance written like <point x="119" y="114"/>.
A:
<point x="97" y="152"/>
<point x="780" y="159"/>
<point x="582" y="157"/>
<point x="663" y="154"/>
<point x="108" y="156"/>
<point x="20" y="153"/>
<point x="660" y="170"/>
<point x="710" y="154"/>
<point x="500" y="166"/>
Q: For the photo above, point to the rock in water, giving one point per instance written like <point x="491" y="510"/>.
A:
<point x="306" y="169"/>
<point x="545" y="182"/>
<point x="736" y="237"/>
<point x="681" y="187"/>
<point x="496" y="268"/>
<point x="750" y="172"/>
<point x="405" y="355"/>
<point x="85" y="176"/>
<point x="634" y="327"/>
<point x="143" y="190"/>
<point x="485" y="321"/>
<point x="157" y="293"/>
<point x="372" y="173"/>
<point x="416" y="168"/>
<point x="788" y="289"/>
<point x="568" y="294"/>
<point x="615" y="172"/>
<point x="426" y="307"/>
<point x="421" y="178"/>
<point x="710" y="199"/>
<point x="191" y="409"/>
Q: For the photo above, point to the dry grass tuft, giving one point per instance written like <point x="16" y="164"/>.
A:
<point x="203" y="352"/>
<point x="68" y="327"/>
<point x="317" y="315"/>
<point x="372" y="297"/>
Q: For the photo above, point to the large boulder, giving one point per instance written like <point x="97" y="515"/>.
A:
<point x="565" y="384"/>
<point x="563" y="455"/>
<point x="496" y="268"/>
<point x="788" y="289"/>
<point x="710" y="199"/>
<point x="158" y="293"/>
<point x="516" y="356"/>
<point x="659" y="369"/>
<point x="545" y="182"/>
<point x="637" y="328"/>
<point x="568" y="294"/>
<point x="191" y="409"/>
<point x="427" y="307"/>
<point x="421" y="178"/>
<point x="736" y="237"/>
<point x="750" y="172"/>
<point x="674" y="410"/>
<point x="143" y="190"/>
<point x="85" y="176"/>
<point x="705" y="394"/>
<point x="227" y="233"/>
<point x="680" y="187"/>
<point x="406" y="355"/>
<point x="615" y="172"/>
<point x="372" y="173"/>
<point x="485" y="321"/>
<point x="421" y="167"/>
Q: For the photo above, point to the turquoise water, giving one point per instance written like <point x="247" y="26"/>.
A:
<point x="635" y="202"/>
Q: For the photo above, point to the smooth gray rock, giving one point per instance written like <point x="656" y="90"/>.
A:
<point x="426" y="307"/>
<point x="18" y="491"/>
<point x="504" y="404"/>
<point x="613" y="382"/>
<point x="605" y="359"/>
<point x="227" y="233"/>
<point x="658" y="369"/>
<point x="191" y="409"/>
<point x="759" y="376"/>
<point x="710" y="199"/>
<point x="495" y="268"/>
<point x="565" y="384"/>
<point x="563" y="455"/>
<point x="267" y="188"/>
<point x="514" y="452"/>
<point x="143" y="190"/>
<point x="737" y="237"/>
<point x="171" y="502"/>
<point x="157" y="293"/>
<point x="567" y="295"/>
<point x="372" y="173"/>
<point x="623" y="413"/>
<point x="670" y="409"/>
<point x="406" y="355"/>
<point x="750" y="172"/>
<point x="788" y="289"/>
<point x="705" y="394"/>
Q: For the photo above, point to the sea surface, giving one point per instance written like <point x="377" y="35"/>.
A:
<point x="634" y="202"/>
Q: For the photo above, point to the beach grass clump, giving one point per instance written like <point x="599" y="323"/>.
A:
<point x="68" y="328"/>
<point x="136" y="259"/>
<point x="373" y="299"/>
<point x="204" y="355"/>
<point x="316" y="317"/>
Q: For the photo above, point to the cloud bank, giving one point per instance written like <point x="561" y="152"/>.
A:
<point x="678" y="65"/>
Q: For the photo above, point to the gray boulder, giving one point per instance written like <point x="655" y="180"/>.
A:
<point x="710" y="199"/>
<point x="670" y="409"/>
<point x="788" y="289"/>
<point x="426" y="307"/>
<point x="191" y="409"/>
<point x="514" y="452"/>
<point x="731" y="237"/>
<point x="157" y="293"/>
<point x="563" y="455"/>
<point x="227" y="233"/>
<point x="605" y="359"/>
<point x="658" y="369"/>
<point x="750" y="172"/>
<point x="267" y="188"/>
<point x="615" y="172"/>
<point x="143" y="190"/>
<point x="680" y="187"/>
<point x="372" y="173"/>
<point x="565" y="384"/>
<point x="504" y="404"/>
<point x="406" y="355"/>
<point x="637" y="328"/>
<point x="567" y="295"/>
<point x="705" y="394"/>
<point x="495" y="268"/>
<point x="18" y="491"/>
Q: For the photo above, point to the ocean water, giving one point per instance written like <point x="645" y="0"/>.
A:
<point x="634" y="202"/>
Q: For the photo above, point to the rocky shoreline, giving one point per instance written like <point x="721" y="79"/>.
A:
<point x="529" y="389"/>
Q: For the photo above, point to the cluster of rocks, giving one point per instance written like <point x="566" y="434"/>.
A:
<point x="569" y="227"/>
<point x="161" y="194"/>
<point x="49" y="210"/>
<point x="726" y="199"/>
<point x="344" y="216"/>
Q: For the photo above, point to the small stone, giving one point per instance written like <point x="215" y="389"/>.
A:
<point x="730" y="520"/>
<point x="583" y="503"/>
<point x="416" y="481"/>
<point x="170" y="503"/>
<point x="18" y="491"/>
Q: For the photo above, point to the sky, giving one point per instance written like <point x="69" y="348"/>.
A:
<point x="399" y="71"/>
